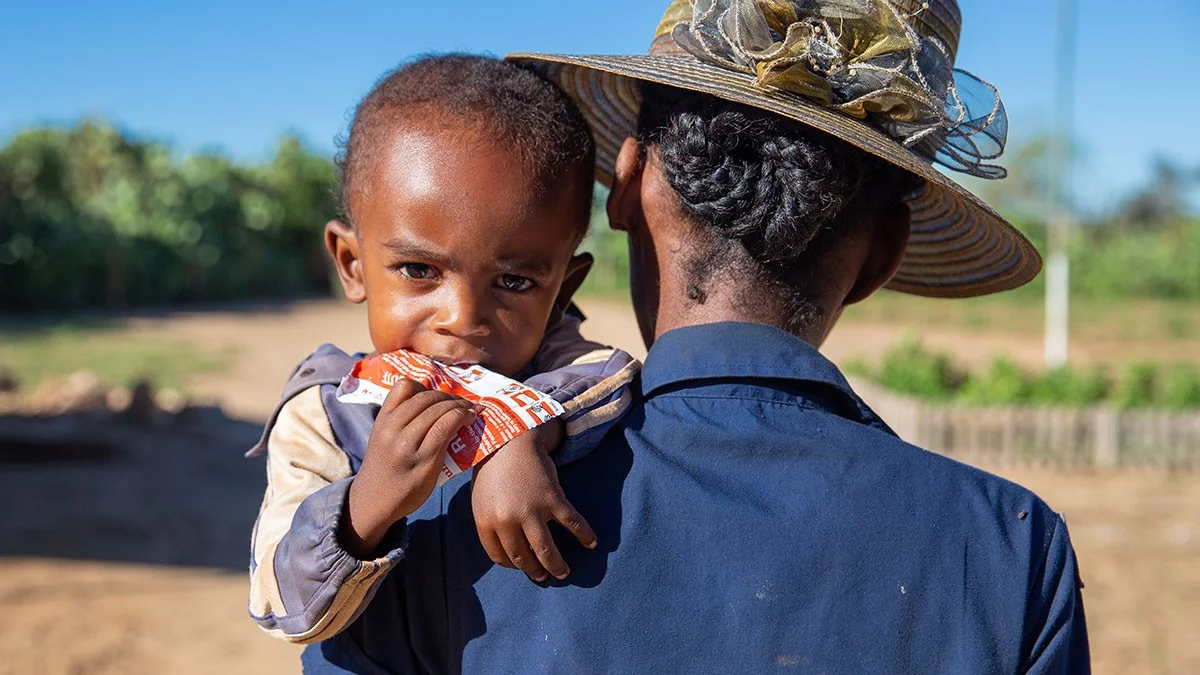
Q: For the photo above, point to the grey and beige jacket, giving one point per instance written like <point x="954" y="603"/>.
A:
<point x="304" y="587"/>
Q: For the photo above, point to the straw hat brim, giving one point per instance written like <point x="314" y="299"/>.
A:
<point x="959" y="246"/>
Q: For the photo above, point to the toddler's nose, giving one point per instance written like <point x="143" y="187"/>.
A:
<point x="464" y="315"/>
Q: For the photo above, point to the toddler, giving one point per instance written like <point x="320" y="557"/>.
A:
<point x="466" y="188"/>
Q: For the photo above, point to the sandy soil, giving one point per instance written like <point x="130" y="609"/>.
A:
<point x="1137" y="536"/>
<point x="128" y="554"/>
<point x="130" y="558"/>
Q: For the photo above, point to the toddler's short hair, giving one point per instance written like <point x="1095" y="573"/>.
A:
<point x="520" y="108"/>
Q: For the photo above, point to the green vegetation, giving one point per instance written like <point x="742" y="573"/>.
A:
<point x="1114" y="259"/>
<point x="910" y="368"/>
<point x="610" y="275"/>
<point x="91" y="218"/>
<point x="33" y="353"/>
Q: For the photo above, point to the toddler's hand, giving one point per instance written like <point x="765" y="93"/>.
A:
<point x="516" y="493"/>
<point x="402" y="463"/>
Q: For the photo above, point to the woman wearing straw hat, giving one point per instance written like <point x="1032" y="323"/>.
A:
<point x="772" y="161"/>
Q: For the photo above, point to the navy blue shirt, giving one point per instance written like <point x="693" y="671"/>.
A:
<point x="753" y="515"/>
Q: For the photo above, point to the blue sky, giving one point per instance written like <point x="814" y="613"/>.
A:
<point x="234" y="76"/>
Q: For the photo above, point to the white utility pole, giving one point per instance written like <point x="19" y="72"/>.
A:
<point x="1059" y="225"/>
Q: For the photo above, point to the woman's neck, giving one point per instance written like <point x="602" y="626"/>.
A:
<point x="682" y="305"/>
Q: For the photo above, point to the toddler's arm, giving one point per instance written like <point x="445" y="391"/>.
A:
<point x="592" y="382"/>
<point x="304" y="587"/>
<point x="516" y="491"/>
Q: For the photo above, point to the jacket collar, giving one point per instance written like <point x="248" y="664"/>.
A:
<point x="749" y="351"/>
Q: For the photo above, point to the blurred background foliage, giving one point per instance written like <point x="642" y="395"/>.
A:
<point x="90" y="218"/>
<point x="93" y="218"/>
<point x="911" y="368"/>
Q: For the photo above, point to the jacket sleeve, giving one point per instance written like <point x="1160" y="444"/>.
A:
<point x="594" y="383"/>
<point x="304" y="587"/>
<point x="1058" y="640"/>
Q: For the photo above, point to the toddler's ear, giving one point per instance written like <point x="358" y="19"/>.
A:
<point x="577" y="271"/>
<point x="342" y="244"/>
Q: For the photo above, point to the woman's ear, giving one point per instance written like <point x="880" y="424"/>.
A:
<point x="625" y="198"/>
<point x="885" y="252"/>
<point x="342" y="244"/>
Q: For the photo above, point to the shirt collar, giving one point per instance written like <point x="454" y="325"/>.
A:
<point x="745" y="351"/>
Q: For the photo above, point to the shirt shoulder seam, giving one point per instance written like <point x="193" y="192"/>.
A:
<point x="792" y="403"/>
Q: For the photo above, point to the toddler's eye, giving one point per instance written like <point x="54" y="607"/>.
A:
<point x="512" y="282"/>
<point x="416" y="271"/>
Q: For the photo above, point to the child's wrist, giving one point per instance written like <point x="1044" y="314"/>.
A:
<point x="364" y="524"/>
<point x="549" y="437"/>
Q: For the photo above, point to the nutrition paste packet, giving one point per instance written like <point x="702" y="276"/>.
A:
<point x="509" y="407"/>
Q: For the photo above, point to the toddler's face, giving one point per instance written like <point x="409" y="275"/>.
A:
<point x="453" y="250"/>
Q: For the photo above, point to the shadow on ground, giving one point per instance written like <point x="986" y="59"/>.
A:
<point x="84" y="487"/>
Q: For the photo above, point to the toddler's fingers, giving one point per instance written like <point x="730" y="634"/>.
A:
<point x="439" y="424"/>
<point x="517" y="548"/>
<point x="401" y="392"/>
<point x="394" y="419"/>
<point x="566" y="515"/>
<point x="495" y="550"/>
<point x="413" y="416"/>
<point x="546" y="551"/>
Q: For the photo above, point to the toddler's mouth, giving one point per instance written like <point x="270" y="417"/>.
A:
<point x="456" y="361"/>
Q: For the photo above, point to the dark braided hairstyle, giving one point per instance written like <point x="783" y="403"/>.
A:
<point x="515" y="106"/>
<point x="769" y="192"/>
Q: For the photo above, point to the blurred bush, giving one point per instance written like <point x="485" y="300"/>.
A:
<point x="910" y="368"/>
<point x="1181" y="387"/>
<point x="1138" y="386"/>
<point x="1070" y="387"/>
<point x="1003" y="384"/>
<point x="90" y="218"/>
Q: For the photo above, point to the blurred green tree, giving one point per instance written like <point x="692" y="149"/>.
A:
<point x="92" y="218"/>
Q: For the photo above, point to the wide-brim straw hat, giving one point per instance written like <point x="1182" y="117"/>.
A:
<point x="959" y="246"/>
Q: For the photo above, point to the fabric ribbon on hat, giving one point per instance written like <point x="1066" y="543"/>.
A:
<point x="862" y="58"/>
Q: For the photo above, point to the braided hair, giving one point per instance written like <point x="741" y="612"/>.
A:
<point x="768" y="192"/>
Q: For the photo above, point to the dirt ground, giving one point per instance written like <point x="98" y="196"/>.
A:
<point x="124" y="549"/>
<point x="129" y="555"/>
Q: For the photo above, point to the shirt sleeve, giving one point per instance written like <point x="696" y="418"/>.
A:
<point x="594" y="384"/>
<point x="1059" y="641"/>
<point x="304" y="587"/>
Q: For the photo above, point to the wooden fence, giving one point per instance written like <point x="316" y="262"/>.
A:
<point x="1098" y="437"/>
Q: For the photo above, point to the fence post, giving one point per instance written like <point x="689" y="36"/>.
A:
<point x="1106" y="454"/>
